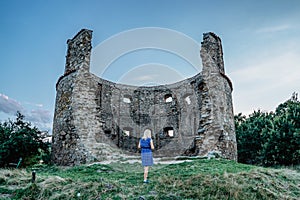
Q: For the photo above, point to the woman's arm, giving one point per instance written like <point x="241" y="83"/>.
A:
<point x="151" y="144"/>
<point x="139" y="145"/>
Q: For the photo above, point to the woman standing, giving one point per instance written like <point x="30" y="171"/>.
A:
<point x="146" y="144"/>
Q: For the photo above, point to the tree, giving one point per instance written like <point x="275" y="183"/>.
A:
<point x="250" y="135"/>
<point x="270" y="138"/>
<point x="283" y="145"/>
<point x="18" y="139"/>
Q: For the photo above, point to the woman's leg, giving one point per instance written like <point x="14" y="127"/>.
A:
<point x="146" y="168"/>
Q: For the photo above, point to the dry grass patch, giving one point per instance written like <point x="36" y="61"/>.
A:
<point x="196" y="179"/>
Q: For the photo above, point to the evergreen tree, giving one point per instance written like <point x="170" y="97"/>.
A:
<point x="283" y="145"/>
<point x="250" y="136"/>
<point x="270" y="138"/>
<point x="18" y="139"/>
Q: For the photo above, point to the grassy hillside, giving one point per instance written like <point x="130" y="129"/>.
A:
<point x="196" y="179"/>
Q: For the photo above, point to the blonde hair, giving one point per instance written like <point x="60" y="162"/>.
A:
<point x="147" y="134"/>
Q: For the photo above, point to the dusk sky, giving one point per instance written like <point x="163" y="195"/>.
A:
<point x="261" y="46"/>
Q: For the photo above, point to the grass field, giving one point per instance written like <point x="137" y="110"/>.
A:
<point x="196" y="179"/>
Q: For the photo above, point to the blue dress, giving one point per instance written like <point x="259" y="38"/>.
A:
<point x="146" y="152"/>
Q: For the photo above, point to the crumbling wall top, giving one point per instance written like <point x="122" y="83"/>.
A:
<point x="212" y="53"/>
<point x="207" y="36"/>
<point x="80" y="34"/>
<point x="79" y="51"/>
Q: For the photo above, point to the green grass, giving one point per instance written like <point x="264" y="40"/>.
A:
<point x="196" y="179"/>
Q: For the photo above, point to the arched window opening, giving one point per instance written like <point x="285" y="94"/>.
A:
<point x="201" y="86"/>
<point x="188" y="100"/>
<point x="168" y="98"/>
<point x="127" y="131"/>
<point x="169" y="131"/>
<point x="127" y="99"/>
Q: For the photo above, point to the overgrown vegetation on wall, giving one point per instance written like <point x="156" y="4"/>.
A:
<point x="270" y="138"/>
<point x="20" y="143"/>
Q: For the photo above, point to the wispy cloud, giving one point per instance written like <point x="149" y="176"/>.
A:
<point x="39" y="117"/>
<point x="146" y="77"/>
<point x="265" y="83"/>
<point x="274" y="29"/>
<point x="9" y="106"/>
<point x="151" y="73"/>
<point x="34" y="104"/>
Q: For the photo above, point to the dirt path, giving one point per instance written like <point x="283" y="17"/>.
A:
<point x="136" y="159"/>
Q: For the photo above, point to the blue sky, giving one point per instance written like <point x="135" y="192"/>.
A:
<point x="260" y="44"/>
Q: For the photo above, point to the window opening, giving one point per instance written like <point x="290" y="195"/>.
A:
<point x="127" y="131"/>
<point x="127" y="99"/>
<point x="201" y="86"/>
<point x="168" y="98"/>
<point x="169" y="131"/>
<point x="187" y="100"/>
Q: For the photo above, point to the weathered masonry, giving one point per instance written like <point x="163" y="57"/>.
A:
<point x="95" y="118"/>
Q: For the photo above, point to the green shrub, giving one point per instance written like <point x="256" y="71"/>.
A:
<point x="18" y="139"/>
<point x="270" y="139"/>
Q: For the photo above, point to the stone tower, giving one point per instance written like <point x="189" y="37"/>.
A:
<point x="96" y="119"/>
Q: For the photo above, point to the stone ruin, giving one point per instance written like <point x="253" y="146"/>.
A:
<point x="96" y="119"/>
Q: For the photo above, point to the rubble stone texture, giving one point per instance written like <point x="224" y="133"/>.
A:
<point x="96" y="119"/>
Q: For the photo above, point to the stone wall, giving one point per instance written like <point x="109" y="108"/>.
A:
<point x="96" y="119"/>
